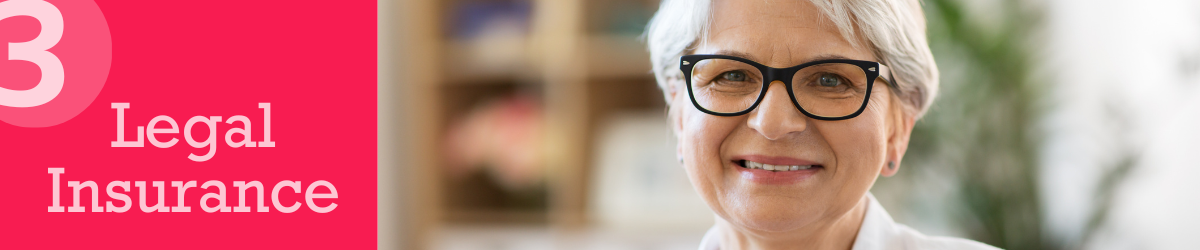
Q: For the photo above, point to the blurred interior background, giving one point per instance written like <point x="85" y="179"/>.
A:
<point x="536" y="124"/>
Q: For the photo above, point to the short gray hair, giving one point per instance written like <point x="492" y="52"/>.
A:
<point x="894" y="29"/>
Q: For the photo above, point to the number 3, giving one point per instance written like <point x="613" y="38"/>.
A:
<point x="35" y="51"/>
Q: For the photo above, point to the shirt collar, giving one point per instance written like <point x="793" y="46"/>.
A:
<point x="876" y="230"/>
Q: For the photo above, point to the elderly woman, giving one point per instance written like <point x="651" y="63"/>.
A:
<point x="786" y="111"/>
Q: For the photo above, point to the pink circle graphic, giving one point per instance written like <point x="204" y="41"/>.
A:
<point x="84" y="50"/>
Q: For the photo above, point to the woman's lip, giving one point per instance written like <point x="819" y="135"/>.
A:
<point x="769" y="177"/>
<point x="774" y="160"/>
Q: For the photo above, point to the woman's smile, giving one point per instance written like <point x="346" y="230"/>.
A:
<point x="775" y="170"/>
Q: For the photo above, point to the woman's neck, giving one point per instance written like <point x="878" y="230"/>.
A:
<point x="832" y="234"/>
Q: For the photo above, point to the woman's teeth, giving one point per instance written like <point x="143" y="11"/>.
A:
<point x="776" y="168"/>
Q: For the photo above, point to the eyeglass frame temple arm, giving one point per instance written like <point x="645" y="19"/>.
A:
<point x="886" y="74"/>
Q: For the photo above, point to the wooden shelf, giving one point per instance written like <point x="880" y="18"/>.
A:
<point x="476" y="217"/>
<point x="606" y="56"/>
<point x="474" y="62"/>
<point x="578" y="73"/>
<point x="617" y="56"/>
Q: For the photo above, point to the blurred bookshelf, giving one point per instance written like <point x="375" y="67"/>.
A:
<point x="506" y="70"/>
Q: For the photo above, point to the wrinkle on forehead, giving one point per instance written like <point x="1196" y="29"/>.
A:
<point x="776" y="33"/>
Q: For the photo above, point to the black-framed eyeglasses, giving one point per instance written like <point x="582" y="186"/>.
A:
<point x="834" y="89"/>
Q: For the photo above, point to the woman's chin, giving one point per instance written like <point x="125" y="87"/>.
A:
<point x="764" y="220"/>
<point x="771" y="213"/>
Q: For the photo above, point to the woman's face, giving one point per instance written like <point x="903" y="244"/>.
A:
<point x="846" y="155"/>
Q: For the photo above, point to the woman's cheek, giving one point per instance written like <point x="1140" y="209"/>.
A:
<point x="704" y="137"/>
<point x="702" y="161"/>
<point x="697" y="130"/>
<point x="709" y="133"/>
<point x="860" y="144"/>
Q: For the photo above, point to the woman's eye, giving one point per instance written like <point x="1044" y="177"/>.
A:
<point x="737" y="76"/>
<point x="829" y="80"/>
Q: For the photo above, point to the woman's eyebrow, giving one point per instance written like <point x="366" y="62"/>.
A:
<point x="736" y="54"/>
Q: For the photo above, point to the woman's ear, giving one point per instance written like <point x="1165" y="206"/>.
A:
<point x="900" y="126"/>
<point x="671" y="92"/>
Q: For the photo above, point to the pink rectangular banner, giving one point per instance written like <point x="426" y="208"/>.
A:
<point x="187" y="125"/>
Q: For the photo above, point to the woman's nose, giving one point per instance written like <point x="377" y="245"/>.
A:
<point x="776" y="116"/>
